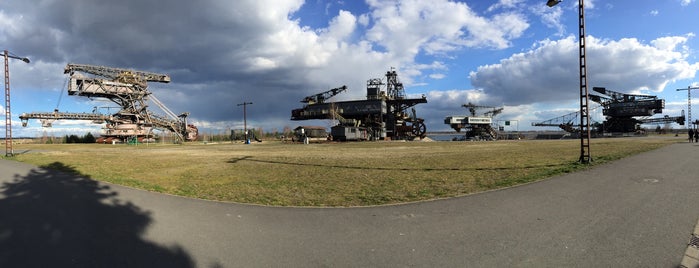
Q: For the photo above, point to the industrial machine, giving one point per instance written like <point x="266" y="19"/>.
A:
<point x="620" y="110"/>
<point x="569" y="122"/>
<point x="624" y="113"/>
<point x="129" y="90"/>
<point x="478" y="127"/>
<point x="383" y="115"/>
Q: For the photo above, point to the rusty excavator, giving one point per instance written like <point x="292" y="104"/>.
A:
<point x="382" y="115"/>
<point x="129" y="90"/>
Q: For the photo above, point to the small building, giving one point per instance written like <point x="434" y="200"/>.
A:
<point x="349" y="133"/>
<point x="313" y="133"/>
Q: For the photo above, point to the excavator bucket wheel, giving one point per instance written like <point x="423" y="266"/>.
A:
<point x="419" y="129"/>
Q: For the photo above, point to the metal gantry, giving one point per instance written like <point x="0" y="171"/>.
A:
<point x="689" y="104"/>
<point x="584" y="96"/>
<point x="8" y="114"/>
<point x="129" y="90"/>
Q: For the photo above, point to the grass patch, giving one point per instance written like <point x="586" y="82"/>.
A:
<point x="344" y="174"/>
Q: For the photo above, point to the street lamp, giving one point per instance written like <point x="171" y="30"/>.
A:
<point x="584" y="96"/>
<point x="552" y="3"/>
<point x="245" y="119"/>
<point x="8" y="116"/>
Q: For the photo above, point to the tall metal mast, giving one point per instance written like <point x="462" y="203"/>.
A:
<point x="8" y="114"/>
<point x="584" y="96"/>
<point x="689" y="104"/>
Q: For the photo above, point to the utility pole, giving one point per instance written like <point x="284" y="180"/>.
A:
<point x="245" y="120"/>
<point x="8" y="115"/>
<point x="689" y="105"/>
<point x="584" y="95"/>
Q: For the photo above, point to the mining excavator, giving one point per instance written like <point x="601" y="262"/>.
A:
<point x="478" y="127"/>
<point x="624" y="113"/>
<point x="129" y="90"/>
<point x="383" y="115"/>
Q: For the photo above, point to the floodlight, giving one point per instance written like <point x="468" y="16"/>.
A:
<point x="552" y="3"/>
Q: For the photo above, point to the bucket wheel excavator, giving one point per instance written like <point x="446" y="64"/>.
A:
<point x="478" y="127"/>
<point x="129" y="90"/>
<point x="382" y="115"/>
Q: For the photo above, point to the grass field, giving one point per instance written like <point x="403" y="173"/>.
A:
<point x="339" y="174"/>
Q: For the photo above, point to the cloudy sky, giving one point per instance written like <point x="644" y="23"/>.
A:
<point x="519" y="54"/>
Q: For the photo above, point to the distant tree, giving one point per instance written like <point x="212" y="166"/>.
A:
<point x="259" y="133"/>
<point x="44" y="137"/>
<point x="88" y="138"/>
<point x="287" y="131"/>
<point x="73" y="139"/>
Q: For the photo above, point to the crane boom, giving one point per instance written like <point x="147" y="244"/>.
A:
<point x="129" y="90"/>
<point x="666" y="119"/>
<point x="116" y="73"/>
<point x="566" y="122"/>
<point x="472" y="108"/>
<point x="617" y="96"/>
<point x="321" y="97"/>
<point x="48" y="118"/>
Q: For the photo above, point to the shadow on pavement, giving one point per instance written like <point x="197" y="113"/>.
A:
<point x="54" y="219"/>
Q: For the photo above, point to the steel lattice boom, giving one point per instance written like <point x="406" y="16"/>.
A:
<point x="128" y="89"/>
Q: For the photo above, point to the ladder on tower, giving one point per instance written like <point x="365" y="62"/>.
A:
<point x="689" y="104"/>
<point x="8" y="123"/>
<point x="584" y="96"/>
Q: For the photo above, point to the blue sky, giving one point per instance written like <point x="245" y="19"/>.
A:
<point x="519" y="54"/>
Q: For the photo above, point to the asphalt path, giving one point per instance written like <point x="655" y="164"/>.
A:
<point x="635" y="212"/>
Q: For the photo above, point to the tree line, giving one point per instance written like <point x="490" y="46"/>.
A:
<point x="87" y="138"/>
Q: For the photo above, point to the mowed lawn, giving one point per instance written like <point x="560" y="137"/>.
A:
<point x="332" y="174"/>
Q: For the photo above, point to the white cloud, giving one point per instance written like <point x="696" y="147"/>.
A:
<point x="686" y="2"/>
<point x="549" y="72"/>
<point x="407" y="27"/>
<point x="654" y="12"/>
<point x="505" y="4"/>
<point x="437" y="76"/>
<point x="590" y="4"/>
<point x="341" y="26"/>
<point x="551" y="17"/>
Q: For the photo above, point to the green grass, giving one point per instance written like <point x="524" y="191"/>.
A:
<point x="339" y="174"/>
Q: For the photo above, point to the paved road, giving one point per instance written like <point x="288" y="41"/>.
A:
<point x="636" y="212"/>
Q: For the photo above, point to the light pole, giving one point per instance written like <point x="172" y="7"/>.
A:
<point x="8" y="115"/>
<point x="584" y="96"/>
<point x="245" y="119"/>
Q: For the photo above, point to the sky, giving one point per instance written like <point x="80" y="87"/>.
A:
<point x="517" y="54"/>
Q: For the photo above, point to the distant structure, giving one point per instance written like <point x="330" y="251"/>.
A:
<point x="624" y="113"/>
<point x="477" y="126"/>
<point x="568" y="122"/>
<point x="622" y="110"/>
<point x="129" y="90"/>
<point x="383" y="115"/>
<point x="310" y="133"/>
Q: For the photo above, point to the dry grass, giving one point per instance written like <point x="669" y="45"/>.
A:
<point x="345" y="174"/>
